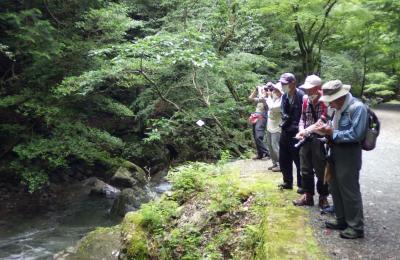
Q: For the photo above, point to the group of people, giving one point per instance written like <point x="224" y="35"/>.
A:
<point x="318" y="127"/>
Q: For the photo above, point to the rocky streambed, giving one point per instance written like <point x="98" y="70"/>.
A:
<point x="41" y="231"/>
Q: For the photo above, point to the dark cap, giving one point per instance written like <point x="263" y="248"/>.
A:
<point x="287" y="78"/>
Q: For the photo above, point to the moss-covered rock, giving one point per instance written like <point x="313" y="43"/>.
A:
<point x="103" y="243"/>
<point x="129" y="175"/>
<point x="128" y="200"/>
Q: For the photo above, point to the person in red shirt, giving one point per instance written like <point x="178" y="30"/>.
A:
<point x="312" y="151"/>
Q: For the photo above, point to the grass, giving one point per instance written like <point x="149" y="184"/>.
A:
<point x="230" y="213"/>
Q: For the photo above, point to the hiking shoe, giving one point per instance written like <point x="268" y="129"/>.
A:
<point x="350" y="233"/>
<point x="323" y="202"/>
<point x="260" y="157"/>
<point x="273" y="166"/>
<point x="300" y="190"/>
<point x="335" y="225"/>
<point x="285" y="186"/>
<point x="307" y="199"/>
<point x="276" y="169"/>
<point x="328" y="210"/>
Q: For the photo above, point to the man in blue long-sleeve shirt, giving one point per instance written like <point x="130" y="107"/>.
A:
<point x="346" y="133"/>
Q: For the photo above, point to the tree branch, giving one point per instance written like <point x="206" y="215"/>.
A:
<point x="51" y="14"/>
<point x="328" y="7"/>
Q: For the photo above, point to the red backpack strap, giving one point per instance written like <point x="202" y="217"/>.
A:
<point x="305" y="103"/>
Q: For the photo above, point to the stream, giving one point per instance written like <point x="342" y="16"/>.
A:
<point x="35" y="235"/>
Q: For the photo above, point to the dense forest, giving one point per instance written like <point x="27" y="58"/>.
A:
<point x="87" y="85"/>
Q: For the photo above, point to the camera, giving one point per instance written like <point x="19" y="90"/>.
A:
<point x="269" y="86"/>
<point x="285" y="121"/>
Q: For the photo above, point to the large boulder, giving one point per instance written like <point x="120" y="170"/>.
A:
<point x="130" y="199"/>
<point x="100" y="188"/>
<point x="103" y="243"/>
<point x="129" y="175"/>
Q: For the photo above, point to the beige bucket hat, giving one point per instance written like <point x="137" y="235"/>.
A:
<point x="333" y="90"/>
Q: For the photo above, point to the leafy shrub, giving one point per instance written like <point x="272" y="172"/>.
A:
<point x="381" y="85"/>
<point x="187" y="180"/>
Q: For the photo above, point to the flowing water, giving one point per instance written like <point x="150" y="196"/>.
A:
<point x="36" y="235"/>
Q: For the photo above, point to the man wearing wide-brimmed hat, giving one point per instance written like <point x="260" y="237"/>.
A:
<point x="346" y="132"/>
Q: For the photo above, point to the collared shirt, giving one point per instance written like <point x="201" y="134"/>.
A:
<point x="352" y="123"/>
<point x="307" y="118"/>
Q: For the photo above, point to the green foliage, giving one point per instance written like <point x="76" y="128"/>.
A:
<point x="225" y="199"/>
<point x="225" y="156"/>
<point x="155" y="214"/>
<point x="110" y="105"/>
<point x="108" y="24"/>
<point x="34" y="179"/>
<point x="238" y="215"/>
<point x="187" y="180"/>
<point x="139" y="74"/>
<point x="381" y="85"/>
<point x="67" y="144"/>
<point x="33" y="36"/>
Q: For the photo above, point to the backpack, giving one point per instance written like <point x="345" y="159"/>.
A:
<point x="371" y="132"/>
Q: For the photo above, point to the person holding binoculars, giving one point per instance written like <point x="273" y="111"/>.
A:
<point x="258" y="119"/>
<point x="274" y="98"/>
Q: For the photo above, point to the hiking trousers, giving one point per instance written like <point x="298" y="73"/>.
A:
<point x="345" y="186"/>
<point x="273" y="146"/>
<point x="312" y="162"/>
<point x="258" y="134"/>
<point x="287" y="155"/>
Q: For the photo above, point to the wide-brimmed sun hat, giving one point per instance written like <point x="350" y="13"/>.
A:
<point x="311" y="82"/>
<point x="278" y="86"/>
<point x="333" y="90"/>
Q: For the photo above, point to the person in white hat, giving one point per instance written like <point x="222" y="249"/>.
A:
<point x="312" y="150"/>
<point x="273" y="136"/>
<point x="346" y="133"/>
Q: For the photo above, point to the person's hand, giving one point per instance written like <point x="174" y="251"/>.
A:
<point x="300" y="135"/>
<point x="324" y="129"/>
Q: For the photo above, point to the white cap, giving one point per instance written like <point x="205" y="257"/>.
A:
<point x="311" y="81"/>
